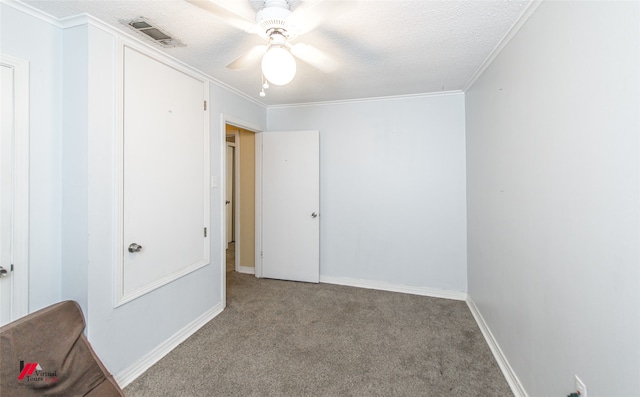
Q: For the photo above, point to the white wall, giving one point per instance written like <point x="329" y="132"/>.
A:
<point x="553" y="198"/>
<point x="74" y="82"/>
<point x="392" y="188"/>
<point x="74" y="173"/>
<point x="40" y="43"/>
<point x="123" y="335"/>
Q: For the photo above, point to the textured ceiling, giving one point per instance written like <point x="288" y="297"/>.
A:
<point x="382" y="47"/>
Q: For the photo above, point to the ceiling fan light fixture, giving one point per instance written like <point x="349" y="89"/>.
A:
<point x="278" y="65"/>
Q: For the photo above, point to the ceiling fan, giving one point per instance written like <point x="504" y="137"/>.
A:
<point x="279" y="26"/>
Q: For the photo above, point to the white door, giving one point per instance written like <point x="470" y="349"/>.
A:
<point x="165" y="175"/>
<point x="290" y="236"/>
<point x="229" y="202"/>
<point x="6" y="193"/>
<point x="14" y="189"/>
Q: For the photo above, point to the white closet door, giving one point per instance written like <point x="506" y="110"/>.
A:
<point x="165" y="178"/>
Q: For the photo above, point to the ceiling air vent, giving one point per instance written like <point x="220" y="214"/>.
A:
<point x="146" y="27"/>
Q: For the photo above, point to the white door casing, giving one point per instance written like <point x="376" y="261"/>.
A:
<point x="290" y="189"/>
<point x="14" y="188"/>
<point x="165" y="179"/>
<point x="229" y="201"/>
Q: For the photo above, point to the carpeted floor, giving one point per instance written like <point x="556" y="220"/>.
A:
<point x="280" y="338"/>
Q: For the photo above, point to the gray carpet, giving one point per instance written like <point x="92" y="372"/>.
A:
<point x="279" y="338"/>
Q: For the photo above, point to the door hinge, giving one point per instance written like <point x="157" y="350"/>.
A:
<point x="205" y="105"/>
<point x="205" y="232"/>
<point x="261" y="254"/>
<point x="12" y="267"/>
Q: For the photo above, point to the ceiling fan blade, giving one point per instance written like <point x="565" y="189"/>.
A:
<point x="251" y="56"/>
<point x="308" y="15"/>
<point x="314" y="57"/>
<point x="228" y="16"/>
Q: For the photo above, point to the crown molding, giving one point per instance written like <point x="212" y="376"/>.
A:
<point x="515" y="28"/>
<point x="32" y="11"/>
<point x="372" y="99"/>
<point x="87" y="19"/>
<point x="84" y="19"/>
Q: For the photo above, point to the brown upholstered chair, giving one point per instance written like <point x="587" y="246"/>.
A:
<point x="47" y="354"/>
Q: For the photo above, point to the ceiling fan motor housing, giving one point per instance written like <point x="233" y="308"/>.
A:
<point x="273" y="17"/>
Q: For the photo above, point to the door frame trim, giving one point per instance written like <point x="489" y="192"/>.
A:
<point x="258" y="201"/>
<point x="20" y="243"/>
<point x="235" y="192"/>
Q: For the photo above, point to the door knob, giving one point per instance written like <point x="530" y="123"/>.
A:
<point x="314" y="215"/>
<point x="133" y="247"/>
<point x="3" y="272"/>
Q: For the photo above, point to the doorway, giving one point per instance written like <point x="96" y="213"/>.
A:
<point x="240" y="199"/>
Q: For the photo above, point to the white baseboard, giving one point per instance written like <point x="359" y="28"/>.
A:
<point x="246" y="270"/>
<point x="513" y="381"/>
<point x="136" y="369"/>
<point x="405" y="289"/>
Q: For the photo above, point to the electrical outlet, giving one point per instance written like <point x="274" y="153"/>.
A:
<point x="581" y="388"/>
